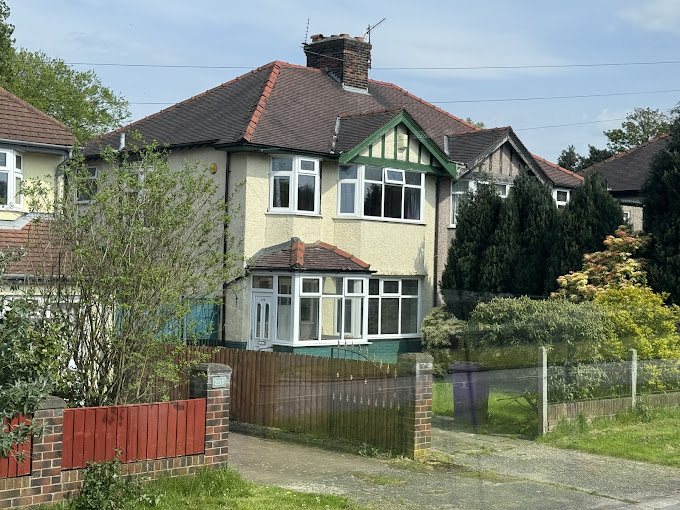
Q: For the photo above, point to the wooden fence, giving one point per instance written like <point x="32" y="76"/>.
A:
<point x="348" y="398"/>
<point x="9" y="467"/>
<point x="137" y="432"/>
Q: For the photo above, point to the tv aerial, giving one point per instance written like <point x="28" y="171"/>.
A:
<point x="369" y="29"/>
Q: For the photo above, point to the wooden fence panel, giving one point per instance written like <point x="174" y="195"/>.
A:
<point x="145" y="431"/>
<point x="9" y="467"/>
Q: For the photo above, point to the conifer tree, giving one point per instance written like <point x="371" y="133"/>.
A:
<point x="661" y="199"/>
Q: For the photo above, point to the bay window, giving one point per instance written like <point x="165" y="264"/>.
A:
<point x="393" y="306"/>
<point x="11" y="177"/>
<point x="294" y="185"/>
<point x="375" y="192"/>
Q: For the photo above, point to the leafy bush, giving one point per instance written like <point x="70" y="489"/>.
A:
<point x="104" y="488"/>
<point x="437" y="330"/>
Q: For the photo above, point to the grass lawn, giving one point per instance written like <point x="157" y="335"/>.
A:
<point x="224" y="488"/>
<point x="507" y="414"/>
<point x="645" y="435"/>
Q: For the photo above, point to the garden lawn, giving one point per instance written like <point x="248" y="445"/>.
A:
<point x="507" y="414"/>
<point x="644" y="435"/>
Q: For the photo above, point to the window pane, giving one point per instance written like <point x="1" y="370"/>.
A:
<point x="283" y="318"/>
<point x="331" y="318"/>
<point x="409" y="287"/>
<point x="355" y="286"/>
<point x="309" y="318"/>
<point x="307" y="165"/>
<point x="374" y="287"/>
<point x="412" y="203"/>
<point x="306" y="192"/>
<point x="393" y="201"/>
<point x="282" y="164"/>
<point x="391" y="287"/>
<point x="332" y="285"/>
<point x="409" y="315"/>
<point x="562" y="196"/>
<point x="354" y="309"/>
<point x="373" y="173"/>
<point x="266" y="321"/>
<point x="19" y="162"/>
<point x="389" y="316"/>
<point x="347" y="197"/>
<point x="455" y="202"/>
<point x="17" y="190"/>
<point x="461" y="186"/>
<point x="4" y="177"/>
<point x="285" y="284"/>
<point x="413" y="178"/>
<point x="258" y="321"/>
<point x="501" y="189"/>
<point x="348" y="172"/>
<point x="373" y="308"/>
<point x="310" y="285"/>
<point x="3" y="159"/>
<point x="281" y="195"/>
<point x="373" y="200"/>
<point x="394" y="175"/>
<point x="263" y="282"/>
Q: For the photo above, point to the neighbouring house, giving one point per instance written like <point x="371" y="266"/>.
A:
<point x="348" y="190"/>
<point x="626" y="173"/>
<point x="32" y="146"/>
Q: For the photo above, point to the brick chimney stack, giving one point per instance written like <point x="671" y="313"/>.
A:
<point x="347" y="58"/>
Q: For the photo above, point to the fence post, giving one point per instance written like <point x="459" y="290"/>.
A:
<point x="416" y="417"/>
<point x="46" y="452"/>
<point x="212" y="381"/>
<point x="632" y="374"/>
<point x="542" y="391"/>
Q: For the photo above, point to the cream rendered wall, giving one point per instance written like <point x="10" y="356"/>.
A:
<point x="391" y="248"/>
<point x="37" y="166"/>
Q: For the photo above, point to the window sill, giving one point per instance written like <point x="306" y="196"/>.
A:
<point x="291" y="213"/>
<point x="412" y="336"/>
<point x="321" y="343"/>
<point x="382" y="220"/>
<point x="12" y="208"/>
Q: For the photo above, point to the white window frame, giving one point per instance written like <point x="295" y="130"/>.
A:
<point x="293" y="175"/>
<point x="626" y="216"/>
<point x="472" y="186"/>
<point x="391" y="295"/>
<point x="561" y="203"/>
<point x="359" y="184"/>
<point x="90" y="177"/>
<point x="15" y="177"/>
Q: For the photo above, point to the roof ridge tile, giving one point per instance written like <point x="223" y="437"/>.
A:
<point x="262" y="103"/>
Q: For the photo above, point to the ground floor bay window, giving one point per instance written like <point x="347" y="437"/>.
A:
<point x="302" y="309"/>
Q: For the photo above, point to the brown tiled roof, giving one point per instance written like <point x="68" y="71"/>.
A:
<point x="284" y="106"/>
<point x="21" y="122"/>
<point x="299" y="256"/>
<point x="561" y="177"/>
<point x="41" y="253"/>
<point x="628" y="170"/>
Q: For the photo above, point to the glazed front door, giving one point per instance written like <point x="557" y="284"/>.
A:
<point x="261" y="324"/>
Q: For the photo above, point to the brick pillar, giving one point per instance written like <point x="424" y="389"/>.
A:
<point x="46" y="452"/>
<point x="416" y="415"/>
<point x="212" y="381"/>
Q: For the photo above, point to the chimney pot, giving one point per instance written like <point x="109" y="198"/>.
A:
<point x="346" y="36"/>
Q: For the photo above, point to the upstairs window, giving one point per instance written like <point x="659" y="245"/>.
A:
<point x="561" y="197"/>
<point x="11" y="177"/>
<point x="294" y="185"/>
<point x="376" y="192"/>
<point x="87" y="185"/>
<point x="460" y="187"/>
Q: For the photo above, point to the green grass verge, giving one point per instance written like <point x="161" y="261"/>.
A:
<point x="507" y="414"/>
<point x="220" y="489"/>
<point x="644" y="435"/>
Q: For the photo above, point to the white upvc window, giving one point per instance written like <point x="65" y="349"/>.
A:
<point x="294" y="185"/>
<point x="561" y="197"/>
<point x="373" y="192"/>
<point x="86" y="187"/>
<point x="394" y="307"/>
<point x="626" y="216"/>
<point x="11" y="178"/>
<point x="462" y="186"/>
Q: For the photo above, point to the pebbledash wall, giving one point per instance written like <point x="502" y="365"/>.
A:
<point x="48" y="482"/>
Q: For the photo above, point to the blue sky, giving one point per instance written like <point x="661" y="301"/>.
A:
<point x="415" y="34"/>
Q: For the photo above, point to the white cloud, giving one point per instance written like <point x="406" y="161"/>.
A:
<point x="654" y="15"/>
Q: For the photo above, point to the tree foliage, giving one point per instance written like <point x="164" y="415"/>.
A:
<point x="477" y="219"/>
<point x="590" y="216"/>
<point x="640" y="126"/>
<point x="77" y="98"/>
<point x="147" y="244"/>
<point x="661" y="201"/>
<point x="572" y="160"/>
<point x="569" y="159"/>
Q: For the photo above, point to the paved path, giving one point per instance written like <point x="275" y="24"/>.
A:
<point x="485" y="472"/>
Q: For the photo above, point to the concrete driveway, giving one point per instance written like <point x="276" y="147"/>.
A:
<point x="475" y="472"/>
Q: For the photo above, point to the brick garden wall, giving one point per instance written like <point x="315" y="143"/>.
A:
<point x="48" y="483"/>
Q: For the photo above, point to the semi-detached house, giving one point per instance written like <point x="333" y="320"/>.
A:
<point x="348" y="189"/>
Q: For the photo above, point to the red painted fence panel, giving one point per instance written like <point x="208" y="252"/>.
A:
<point x="9" y="467"/>
<point x="145" y="431"/>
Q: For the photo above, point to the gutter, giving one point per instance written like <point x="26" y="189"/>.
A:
<point x="58" y="147"/>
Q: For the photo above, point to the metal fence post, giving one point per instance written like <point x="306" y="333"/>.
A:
<point x="632" y="374"/>
<point x="542" y="391"/>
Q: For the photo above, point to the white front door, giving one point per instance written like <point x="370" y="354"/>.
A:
<point x="261" y="321"/>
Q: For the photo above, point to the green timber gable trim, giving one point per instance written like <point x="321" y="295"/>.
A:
<point x="437" y="155"/>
